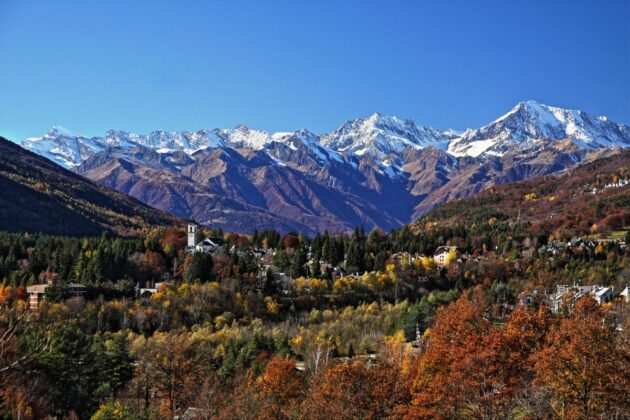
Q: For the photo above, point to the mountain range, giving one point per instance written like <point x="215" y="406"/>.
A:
<point x="380" y="171"/>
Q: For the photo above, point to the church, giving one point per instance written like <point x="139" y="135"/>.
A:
<point x="207" y="245"/>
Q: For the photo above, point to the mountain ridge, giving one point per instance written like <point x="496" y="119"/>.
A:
<point x="377" y="171"/>
<point x="378" y="134"/>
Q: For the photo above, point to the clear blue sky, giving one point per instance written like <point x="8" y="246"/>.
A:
<point x="146" y="65"/>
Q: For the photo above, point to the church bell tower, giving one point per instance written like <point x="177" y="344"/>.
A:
<point x="193" y="236"/>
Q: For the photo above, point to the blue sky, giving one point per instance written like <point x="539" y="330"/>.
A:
<point x="283" y="65"/>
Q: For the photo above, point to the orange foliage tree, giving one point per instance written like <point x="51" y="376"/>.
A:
<point x="355" y="390"/>
<point x="168" y="373"/>
<point x="472" y="369"/>
<point x="280" y="388"/>
<point x="586" y="365"/>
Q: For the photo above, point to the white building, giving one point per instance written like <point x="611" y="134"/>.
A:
<point x="568" y="295"/>
<point x="193" y="236"/>
<point x="146" y="292"/>
<point x="441" y="254"/>
<point x="208" y="246"/>
<point x="604" y="295"/>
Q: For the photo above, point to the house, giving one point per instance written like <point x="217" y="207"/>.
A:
<point x="37" y="293"/>
<point x="604" y="295"/>
<point x="338" y="272"/>
<point x="403" y="257"/>
<point x="146" y="292"/>
<point x="582" y="244"/>
<point x="550" y="248"/>
<point x="194" y="244"/>
<point x="284" y="281"/>
<point x="441" y="254"/>
<point x="191" y="413"/>
<point x="209" y="245"/>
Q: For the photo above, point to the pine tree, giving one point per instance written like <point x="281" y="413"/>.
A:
<point x="200" y="267"/>
<point x="281" y="260"/>
<point x="297" y="263"/>
<point x="327" y="250"/>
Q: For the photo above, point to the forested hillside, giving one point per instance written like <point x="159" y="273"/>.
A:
<point x="590" y="199"/>
<point x="38" y="195"/>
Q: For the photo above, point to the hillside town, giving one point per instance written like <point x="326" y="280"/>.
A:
<point x="265" y="260"/>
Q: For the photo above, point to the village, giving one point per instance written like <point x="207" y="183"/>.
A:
<point x="562" y="297"/>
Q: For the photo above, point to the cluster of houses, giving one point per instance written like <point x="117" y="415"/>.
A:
<point x="618" y="184"/>
<point x="211" y="245"/>
<point x="584" y="244"/>
<point x="442" y="256"/>
<point x="37" y="292"/>
<point x="565" y="296"/>
<point x="554" y="247"/>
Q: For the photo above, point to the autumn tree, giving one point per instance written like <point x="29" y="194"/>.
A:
<point x="473" y="369"/>
<point x="280" y="387"/>
<point x="354" y="390"/>
<point x="290" y="240"/>
<point x="168" y="372"/>
<point x="22" y="343"/>
<point x="457" y="334"/>
<point x="585" y="365"/>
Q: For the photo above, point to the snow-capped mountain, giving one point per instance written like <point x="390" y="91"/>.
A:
<point x="529" y="123"/>
<point x="70" y="150"/>
<point x="162" y="141"/>
<point x="63" y="147"/>
<point x="379" y="171"/>
<point x="381" y="136"/>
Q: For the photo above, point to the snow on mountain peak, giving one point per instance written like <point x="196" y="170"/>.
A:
<point x="531" y="122"/>
<point x="381" y="137"/>
<point x="62" y="147"/>
<point x="58" y="130"/>
<point x="243" y="136"/>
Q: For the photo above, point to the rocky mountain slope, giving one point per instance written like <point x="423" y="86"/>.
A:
<point x="378" y="171"/>
<point x="39" y="196"/>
